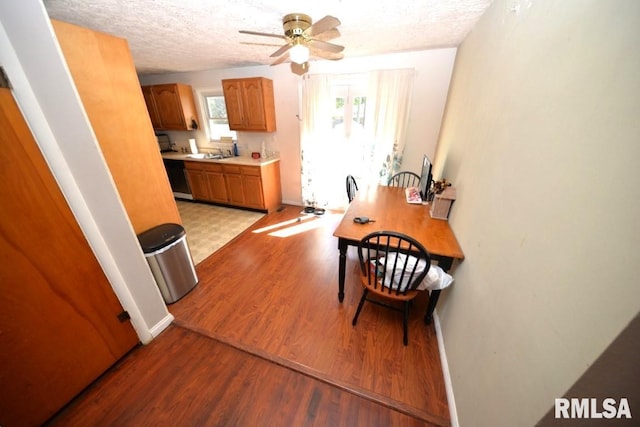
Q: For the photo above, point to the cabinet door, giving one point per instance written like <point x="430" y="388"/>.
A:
<point x="167" y="100"/>
<point x="253" y="195"/>
<point x="151" y="107"/>
<point x="232" y="90"/>
<point x="198" y="183"/>
<point x="235" y="189"/>
<point x="253" y="103"/>
<point x="217" y="187"/>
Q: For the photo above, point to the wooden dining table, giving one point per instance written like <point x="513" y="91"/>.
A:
<point x="390" y="211"/>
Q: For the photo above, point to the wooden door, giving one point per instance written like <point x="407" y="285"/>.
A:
<point x="59" y="327"/>
<point x="105" y="76"/>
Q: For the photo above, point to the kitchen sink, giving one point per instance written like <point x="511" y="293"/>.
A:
<point x="205" y="156"/>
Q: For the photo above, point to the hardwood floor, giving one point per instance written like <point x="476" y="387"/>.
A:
<point x="263" y="340"/>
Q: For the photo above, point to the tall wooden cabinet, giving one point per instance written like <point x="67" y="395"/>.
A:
<point x="171" y="106"/>
<point x="105" y="76"/>
<point x="250" y="104"/>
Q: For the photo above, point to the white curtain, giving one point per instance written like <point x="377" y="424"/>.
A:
<point x="315" y="139"/>
<point x="324" y="158"/>
<point x="388" y="102"/>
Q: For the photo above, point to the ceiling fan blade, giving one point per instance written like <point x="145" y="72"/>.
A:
<point x="282" y="50"/>
<point x="324" y="24"/>
<point x="256" y="33"/>
<point x="280" y="60"/>
<point x="328" y="35"/>
<point x="323" y="54"/>
<point x="319" y="44"/>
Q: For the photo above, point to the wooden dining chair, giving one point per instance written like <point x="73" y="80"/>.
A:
<point x="404" y="179"/>
<point x="352" y="187"/>
<point x="392" y="267"/>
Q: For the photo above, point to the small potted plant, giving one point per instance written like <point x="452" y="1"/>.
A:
<point x="440" y="186"/>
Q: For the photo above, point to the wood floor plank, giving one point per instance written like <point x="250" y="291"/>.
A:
<point x="263" y="340"/>
<point x="186" y="379"/>
<point x="278" y="296"/>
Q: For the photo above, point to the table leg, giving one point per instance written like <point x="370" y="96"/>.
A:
<point x="342" y="247"/>
<point x="433" y="300"/>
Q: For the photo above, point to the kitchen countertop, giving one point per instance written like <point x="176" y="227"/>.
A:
<point x="240" y="160"/>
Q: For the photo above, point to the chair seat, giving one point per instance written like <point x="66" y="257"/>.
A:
<point x="384" y="292"/>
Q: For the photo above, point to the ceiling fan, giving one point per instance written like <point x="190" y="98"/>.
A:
<point x="300" y="34"/>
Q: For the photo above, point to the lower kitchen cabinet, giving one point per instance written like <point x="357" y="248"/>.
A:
<point x="216" y="181"/>
<point x="248" y="186"/>
<point x="197" y="180"/>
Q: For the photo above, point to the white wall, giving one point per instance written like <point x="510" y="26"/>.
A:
<point x="541" y="139"/>
<point x="433" y="73"/>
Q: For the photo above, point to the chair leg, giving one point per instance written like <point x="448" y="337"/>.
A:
<point x="405" y="321"/>
<point x="360" y="304"/>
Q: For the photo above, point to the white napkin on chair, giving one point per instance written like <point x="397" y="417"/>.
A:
<point x="435" y="279"/>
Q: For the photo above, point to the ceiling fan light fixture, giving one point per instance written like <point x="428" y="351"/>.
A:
<point x="299" y="54"/>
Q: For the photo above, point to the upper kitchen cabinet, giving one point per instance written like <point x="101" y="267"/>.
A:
<point x="171" y="106"/>
<point x="250" y="104"/>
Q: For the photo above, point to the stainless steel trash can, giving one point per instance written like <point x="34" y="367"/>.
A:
<point x="167" y="253"/>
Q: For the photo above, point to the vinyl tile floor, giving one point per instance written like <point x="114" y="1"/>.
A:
<point x="210" y="227"/>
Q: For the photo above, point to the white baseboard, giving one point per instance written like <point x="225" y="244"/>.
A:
<point x="453" y="412"/>
<point x="163" y="324"/>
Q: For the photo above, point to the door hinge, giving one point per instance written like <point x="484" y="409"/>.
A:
<point x="4" y="80"/>
<point x="124" y="316"/>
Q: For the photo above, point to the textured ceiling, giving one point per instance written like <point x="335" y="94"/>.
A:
<point x="190" y="35"/>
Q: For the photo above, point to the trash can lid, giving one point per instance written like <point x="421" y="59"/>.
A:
<point x="160" y="236"/>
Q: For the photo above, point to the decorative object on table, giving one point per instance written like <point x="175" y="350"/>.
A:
<point x="440" y="186"/>
<point x="442" y="201"/>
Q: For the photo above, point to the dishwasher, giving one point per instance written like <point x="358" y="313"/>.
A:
<point x="175" y="170"/>
<point x="178" y="178"/>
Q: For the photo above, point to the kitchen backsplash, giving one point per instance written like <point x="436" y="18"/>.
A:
<point x="247" y="143"/>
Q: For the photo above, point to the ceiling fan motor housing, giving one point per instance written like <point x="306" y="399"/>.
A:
<point x="295" y="24"/>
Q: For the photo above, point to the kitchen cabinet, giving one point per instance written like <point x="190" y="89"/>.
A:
<point x="206" y="181"/>
<point x="197" y="180"/>
<point x="250" y="104"/>
<point x="244" y="185"/>
<point x="217" y="187"/>
<point x="247" y="186"/>
<point x="171" y="106"/>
